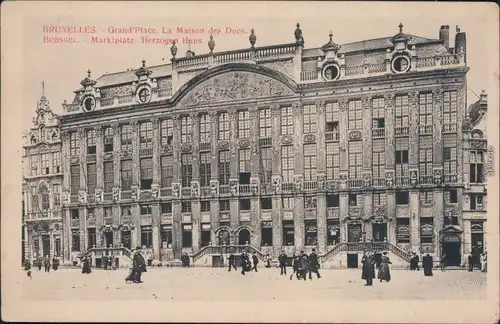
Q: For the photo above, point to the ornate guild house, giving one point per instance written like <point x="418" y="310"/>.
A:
<point x="342" y="148"/>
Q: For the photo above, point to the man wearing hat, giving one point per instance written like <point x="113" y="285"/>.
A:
<point x="138" y="265"/>
<point x="282" y="259"/>
<point x="368" y="271"/>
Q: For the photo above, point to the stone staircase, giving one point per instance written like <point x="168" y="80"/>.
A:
<point x="211" y="250"/>
<point x="123" y="255"/>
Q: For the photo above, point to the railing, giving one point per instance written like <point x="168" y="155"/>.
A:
<point x="126" y="194"/>
<point x="353" y="70"/>
<point x="224" y="190"/>
<point x="91" y="158"/>
<point x="73" y="199"/>
<point x="287" y="186"/>
<point x="449" y="59"/>
<point x="449" y="128"/>
<point x="205" y="146"/>
<point x="236" y="56"/>
<point x="378" y="132"/>
<point x="363" y="246"/>
<point x="450" y="178"/>
<point x="309" y="75"/>
<point x="121" y="251"/>
<point x="265" y="141"/>
<point x="310" y="185"/>
<point x="147" y="151"/>
<point x="125" y="99"/>
<point x="310" y="213"/>
<point x="205" y="191"/>
<point x="186" y="192"/>
<point x="187" y="62"/>
<point x="425" y="129"/>
<point x="270" y="51"/>
<point x="165" y="192"/>
<point x="224" y="249"/>
<point x="332" y="136"/>
<point x="425" y="62"/>
<point x="402" y="131"/>
<point x="108" y="196"/>
<point x="72" y="107"/>
<point x="332" y="212"/>
<point x="377" y="68"/>
<point x="402" y="181"/>
<point x="245" y="189"/>
<point x="426" y="180"/>
<point x="379" y="182"/>
<point x="355" y="183"/>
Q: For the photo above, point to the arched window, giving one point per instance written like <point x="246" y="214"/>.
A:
<point x="42" y="133"/>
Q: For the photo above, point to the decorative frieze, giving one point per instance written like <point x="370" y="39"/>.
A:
<point x="233" y="187"/>
<point x="186" y="147"/>
<point x="176" y="190"/>
<point x="146" y="221"/>
<point x="276" y="180"/>
<point x="310" y="138"/>
<point x="355" y="135"/>
<point x="166" y="219"/>
<point x="389" y="178"/>
<point x="134" y="193"/>
<point x="244" y="143"/>
<point x="286" y="140"/>
<point x="223" y="145"/>
<point x="414" y="177"/>
<point x="82" y="197"/>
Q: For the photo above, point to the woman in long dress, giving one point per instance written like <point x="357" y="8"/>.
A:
<point x="86" y="265"/>
<point x="427" y="265"/>
<point x="384" y="272"/>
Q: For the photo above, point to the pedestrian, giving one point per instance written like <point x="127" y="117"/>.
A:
<point x="384" y="273"/>
<point x="417" y="261"/>
<point x="27" y="267"/>
<point x="268" y="260"/>
<point x="255" y="261"/>
<point x="55" y="263"/>
<point x="47" y="263"/>
<point x="427" y="265"/>
<point x="367" y="273"/>
<point x="313" y="264"/>
<point x="39" y="262"/>
<point x="470" y="261"/>
<point x="282" y="260"/>
<point x="484" y="262"/>
<point x="139" y="265"/>
<point x="442" y="261"/>
<point x="232" y="262"/>
<point x="245" y="263"/>
<point x="105" y="262"/>
<point x="188" y="261"/>
<point x="86" y="265"/>
<point x="295" y="265"/>
<point x="303" y="265"/>
<point x="412" y="261"/>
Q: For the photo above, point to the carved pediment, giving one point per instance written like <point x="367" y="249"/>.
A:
<point x="451" y="229"/>
<point x="233" y="86"/>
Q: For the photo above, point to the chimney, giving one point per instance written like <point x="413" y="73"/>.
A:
<point x="444" y="35"/>
<point x="461" y="43"/>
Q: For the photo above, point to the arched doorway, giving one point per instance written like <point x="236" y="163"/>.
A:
<point x="224" y="237"/>
<point x="243" y="236"/>
<point x="451" y="249"/>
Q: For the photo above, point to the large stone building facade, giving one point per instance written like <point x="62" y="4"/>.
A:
<point x="42" y="185"/>
<point x="277" y="147"/>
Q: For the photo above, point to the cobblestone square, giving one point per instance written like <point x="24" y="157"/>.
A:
<point x="206" y="284"/>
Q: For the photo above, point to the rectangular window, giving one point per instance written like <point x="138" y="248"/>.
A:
<point x="45" y="163"/>
<point x="186" y="169"/>
<point x="75" y="241"/>
<point x="167" y="171"/>
<point x="355" y="115"/>
<point x="476" y="167"/>
<point x="332" y="160"/>
<point x="187" y="236"/>
<point x="401" y="111"/>
<point x="147" y="236"/>
<point x="426" y="230"/>
<point x="450" y="196"/>
<point x="166" y="208"/>
<point x="146" y="170"/>
<point x="57" y="244"/>
<point x="146" y="209"/>
<point x="186" y="129"/>
<point x="109" y="173"/>
<point x="310" y="119"/>
<point x="266" y="203"/>
<point x="401" y="158"/>
<point x="311" y="232"/>
<point x="379" y="199"/>
<point x="166" y="236"/>
<point x="74" y="144"/>
<point x="146" y="135"/>
<point x="332" y="116"/>
<point x="353" y="199"/>
<point x="425" y="106"/>
<point x="287" y="163"/>
<point x="378" y="158"/>
<point x="56" y="162"/>
<point x="243" y="124"/>
<point x="205" y="169"/>
<point x="205" y="205"/>
<point x="91" y="177"/>
<point x="476" y="202"/>
<point x="310" y="202"/>
<point x="355" y="159"/>
<point x="91" y="141"/>
<point x="224" y="205"/>
<point x="205" y="128"/>
<point x="224" y="126"/>
<point x="126" y="174"/>
<point x="244" y="160"/>
<point x="449" y="107"/>
<point x="34" y="165"/>
<point x="265" y="126"/>
<point x="167" y="131"/>
<point x="74" y="171"/>
<point x="288" y="233"/>
<point x="332" y="232"/>
<point x="45" y="198"/>
<point x="425" y="152"/>
<point x="126" y="137"/>
<point x="332" y="201"/>
<point x="286" y="121"/>
<point x="266" y="164"/>
<point x="266" y="232"/>
<point x="57" y="194"/>
<point x="288" y="202"/>
<point x="186" y="207"/>
<point x="402" y="197"/>
<point x="426" y="197"/>
<point x="224" y="167"/>
<point x="402" y="230"/>
<point x="108" y="139"/>
<point x="75" y="213"/>
<point x="310" y="167"/>
<point x="450" y="154"/>
<point x="244" y="204"/>
<point x="378" y="113"/>
<point x="92" y="238"/>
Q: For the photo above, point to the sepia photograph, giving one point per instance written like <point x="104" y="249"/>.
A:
<point x="252" y="161"/>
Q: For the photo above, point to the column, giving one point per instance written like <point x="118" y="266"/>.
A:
<point x="66" y="237"/>
<point x="461" y="115"/>
<point x="214" y="136"/>
<point x="99" y="221"/>
<point x="135" y="155"/>
<point x="233" y="149"/>
<point x="136" y="232"/>
<point x="214" y="219"/>
<point x="116" y="155"/>
<point x="83" y="163"/>
<point x="298" y="176"/>
<point x="255" y="211"/>
<point x="195" y="204"/>
<point x="438" y="220"/>
<point x="196" y="223"/>
<point x="321" y="177"/>
<point x="391" y="215"/>
<point x="156" y="153"/>
<point x="83" y="229"/>
<point x="389" y="166"/>
<point x="343" y="124"/>
<point x="343" y="211"/>
<point x="414" y="207"/>
<point x="156" y="230"/>
<point x="176" y="149"/>
<point x="255" y="222"/>
<point x="195" y="146"/>
<point x="277" y="213"/>
<point x="51" y="251"/>
<point x="176" y="229"/>
<point x="368" y="211"/>
<point x="437" y="99"/>
<point x="99" y="159"/>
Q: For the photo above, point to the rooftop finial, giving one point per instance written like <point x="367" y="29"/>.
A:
<point x="43" y="89"/>
<point x="400" y="27"/>
<point x="143" y="63"/>
<point x="88" y="73"/>
<point x="211" y="44"/>
<point x="331" y="35"/>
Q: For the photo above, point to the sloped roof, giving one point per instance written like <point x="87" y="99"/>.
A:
<point x="129" y="76"/>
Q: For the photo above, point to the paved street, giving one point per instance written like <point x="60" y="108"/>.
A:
<point x="204" y="284"/>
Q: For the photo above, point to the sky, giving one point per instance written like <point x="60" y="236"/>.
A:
<point x="62" y="66"/>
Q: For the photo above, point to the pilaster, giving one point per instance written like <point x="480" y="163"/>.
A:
<point x="461" y="115"/>
<point x="320" y="135"/>
<point x="297" y="141"/>
<point x="214" y="170"/>
<point x="438" y="219"/>
<point x="234" y="207"/>
<point x="233" y="142"/>
<point x="343" y="124"/>
<point x="83" y="229"/>
<point x="391" y="215"/>
<point x="176" y="229"/>
<point x="367" y="213"/>
<point x="367" y="134"/>
<point x="116" y="155"/>
<point x="214" y="219"/>
<point x="254" y="142"/>
<point x="176" y="145"/>
<point x="277" y="218"/>
<point x="155" y="210"/>
<point x="65" y="152"/>
<point x="156" y="152"/>
<point x="66" y="237"/>
<point x="195" y="146"/>
<point x="298" y="221"/>
<point x="196" y="223"/>
<point x="136" y="232"/>
<point x="99" y="158"/>
<point x="343" y="211"/>
<point x="276" y="125"/>
<point x="437" y="99"/>
<point x="83" y="156"/>
<point x="321" y="222"/>
<point x="389" y="131"/>
<point x="414" y="219"/>
<point x="255" y="222"/>
<point x="135" y="154"/>
<point x="413" y="129"/>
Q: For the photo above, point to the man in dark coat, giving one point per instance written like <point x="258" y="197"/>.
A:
<point x="295" y="265"/>
<point x="427" y="265"/>
<point x="55" y="263"/>
<point x="282" y="259"/>
<point x="245" y="263"/>
<point x="303" y="265"/>
<point x="313" y="264"/>
<point x="105" y="262"/>
<point x="232" y="262"/>
<point x="470" y="261"/>
<point x="255" y="261"/>
<point x="86" y="265"/>
<point x="139" y="265"/>
<point x="46" y="262"/>
<point x="27" y="267"/>
<point x="368" y="272"/>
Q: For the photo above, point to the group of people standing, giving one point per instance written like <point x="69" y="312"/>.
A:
<point x="483" y="261"/>
<point x="248" y="263"/>
<point x="39" y="262"/>
<point x="368" y="268"/>
<point x="302" y="265"/>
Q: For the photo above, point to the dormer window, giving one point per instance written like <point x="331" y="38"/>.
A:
<point x="401" y="64"/>
<point x="89" y="104"/>
<point x="144" y="94"/>
<point x="331" y="72"/>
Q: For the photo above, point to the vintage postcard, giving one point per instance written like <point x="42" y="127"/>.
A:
<point x="250" y="162"/>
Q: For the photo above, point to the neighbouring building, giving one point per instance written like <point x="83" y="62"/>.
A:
<point x="42" y="185"/>
<point x="340" y="147"/>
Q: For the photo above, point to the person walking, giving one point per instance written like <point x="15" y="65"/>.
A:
<point x="484" y="262"/>
<point x="39" y="262"/>
<point x="27" y="267"/>
<point x="255" y="261"/>
<point x="303" y="265"/>
<point x="282" y="260"/>
<point x="470" y="261"/>
<point x="427" y="265"/>
<point x="268" y="260"/>
<point x="295" y="265"/>
<point x="55" y="263"/>
<point x="384" y="273"/>
<point x="367" y="273"/>
<point x="442" y="261"/>
<point x="231" y="262"/>
<point x="86" y="265"/>
<point x="245" y="263"/>
<point x="314" y="264"/>
<point x="139" y="265"/>
<point x="46" y="262"/>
